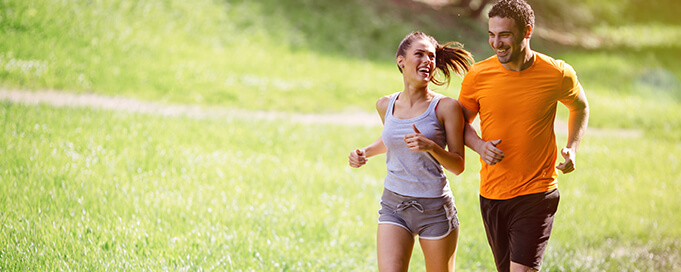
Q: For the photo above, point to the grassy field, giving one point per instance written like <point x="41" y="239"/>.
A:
<point x="84" y="189"/>
<point x="264" y="54"/>
<point x="96" y="190"/>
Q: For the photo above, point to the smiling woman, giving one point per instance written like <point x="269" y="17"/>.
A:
<point x="422" y="134"/>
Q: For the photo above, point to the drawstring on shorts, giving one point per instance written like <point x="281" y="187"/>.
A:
<point x="406" y="204"/>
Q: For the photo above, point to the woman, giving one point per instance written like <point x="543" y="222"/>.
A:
<point x="418" y="125"/>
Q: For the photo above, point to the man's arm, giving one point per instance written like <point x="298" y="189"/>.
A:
<point x="577" y="123"/>
<point x="487" y="150"/>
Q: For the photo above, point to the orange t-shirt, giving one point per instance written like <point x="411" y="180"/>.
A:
<point x="519" y="107"/>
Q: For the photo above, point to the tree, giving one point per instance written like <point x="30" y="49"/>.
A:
<point x="473" y="8"/>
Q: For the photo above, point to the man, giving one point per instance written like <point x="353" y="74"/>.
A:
<point x="516" y="94"/>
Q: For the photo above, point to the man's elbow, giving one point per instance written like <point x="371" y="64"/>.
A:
<point x="583" y="110"/>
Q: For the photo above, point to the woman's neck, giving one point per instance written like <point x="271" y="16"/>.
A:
<point x="415" y="94"/>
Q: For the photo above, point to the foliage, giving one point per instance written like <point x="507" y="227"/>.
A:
<point x="250" y="54"/>
<point x="86" y="189"/>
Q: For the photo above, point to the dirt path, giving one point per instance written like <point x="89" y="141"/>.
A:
<point x="65" y="99"/>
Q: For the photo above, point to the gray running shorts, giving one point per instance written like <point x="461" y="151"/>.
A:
<point x="429" y="218"/>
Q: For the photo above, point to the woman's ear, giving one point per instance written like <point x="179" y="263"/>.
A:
<point x="400" y="62"/>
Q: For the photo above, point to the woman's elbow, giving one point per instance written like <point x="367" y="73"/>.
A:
<point x="457" y="169"/>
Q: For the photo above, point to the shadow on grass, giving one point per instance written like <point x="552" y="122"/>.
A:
<point x="360" y="28"/>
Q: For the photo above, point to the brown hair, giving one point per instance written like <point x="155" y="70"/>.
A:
<point x="520" y="11"/>
<point x="450" y="56"/>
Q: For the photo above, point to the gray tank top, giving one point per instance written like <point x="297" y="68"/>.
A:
<point x="414" y="173"/>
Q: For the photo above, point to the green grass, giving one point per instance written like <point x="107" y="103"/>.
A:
<point x="86" y="189"/>
<point x="248" y="54"/>
<point x="297" y="55"/>
<point x="632" y="90"/>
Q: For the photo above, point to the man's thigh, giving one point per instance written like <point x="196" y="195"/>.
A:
<point x="518" y="229"/>
<point x="531" y="226"/>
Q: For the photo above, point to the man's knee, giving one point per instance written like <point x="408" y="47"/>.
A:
<point x="516" y="267"/>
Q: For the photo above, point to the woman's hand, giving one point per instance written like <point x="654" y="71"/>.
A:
<point x="417" y="141"/>
<point x="357" y="158"/>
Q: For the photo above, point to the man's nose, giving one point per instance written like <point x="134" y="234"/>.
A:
<point x="497" y="43"/>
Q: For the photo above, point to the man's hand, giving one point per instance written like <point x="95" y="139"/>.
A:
<point x="569" y="164"/>
<point x="489" y="152"/>
<point x="357" y="158"/>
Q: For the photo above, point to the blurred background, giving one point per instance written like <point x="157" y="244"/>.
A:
<point x="213" y="134"/>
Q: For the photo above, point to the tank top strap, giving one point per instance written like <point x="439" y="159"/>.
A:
<point x="391" y="105"/>
<point x="434" y="103"/>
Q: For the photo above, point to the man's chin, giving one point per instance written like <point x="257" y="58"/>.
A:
<point x="504" y="60"/>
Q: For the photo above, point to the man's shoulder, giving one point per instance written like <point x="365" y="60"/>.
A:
<point x="553" y="63"/>
<point x="487" y="64"/>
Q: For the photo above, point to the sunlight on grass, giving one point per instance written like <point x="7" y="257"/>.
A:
<point x="623" y="95"/>
<point x="95" y="190"/>
<point x="205" y="52"/>
<point x="641" y="36"/>
<point x="98" y="190"/>
<point x="142" y="192"/>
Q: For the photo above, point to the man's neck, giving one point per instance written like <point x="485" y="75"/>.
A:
<point x="525" y="61"/>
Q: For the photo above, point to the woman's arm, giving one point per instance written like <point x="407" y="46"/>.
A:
<point x="359" y="157"/>
<point x="452" y="159"/>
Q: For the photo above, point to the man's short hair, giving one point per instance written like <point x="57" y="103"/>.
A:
<point x="518" y="10"/>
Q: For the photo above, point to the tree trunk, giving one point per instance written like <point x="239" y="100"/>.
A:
<point x="468" y="6"/>
<point x="475" y="13"/>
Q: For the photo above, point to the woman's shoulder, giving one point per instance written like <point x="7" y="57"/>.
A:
<point x="384" y="101"/>
<point x="448" y="106"/>
<point x="382" y="104"/>
<point x="449" y="102"/>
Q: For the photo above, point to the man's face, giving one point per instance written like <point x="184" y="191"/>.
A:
<point x="505" y="39"/>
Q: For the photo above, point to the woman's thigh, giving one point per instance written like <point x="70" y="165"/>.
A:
<point x="395" y="245"/>
<point x="440" y="254"/>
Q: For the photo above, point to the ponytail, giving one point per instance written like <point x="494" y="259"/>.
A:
<point x="451" y="57"/>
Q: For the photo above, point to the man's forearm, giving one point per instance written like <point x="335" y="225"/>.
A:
<point x="577" y="124"/>
<point x="471" y="138"/>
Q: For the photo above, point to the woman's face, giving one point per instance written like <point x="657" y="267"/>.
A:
<point x="419" y="62"/>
